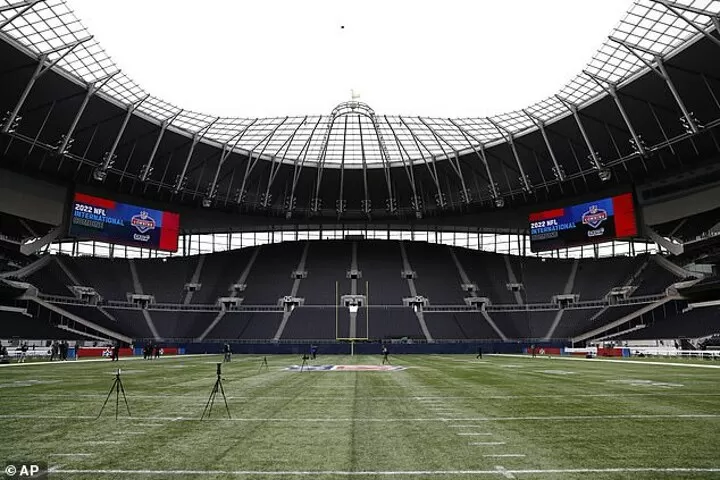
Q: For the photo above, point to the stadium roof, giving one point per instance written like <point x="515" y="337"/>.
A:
<point x="353" y="135"/>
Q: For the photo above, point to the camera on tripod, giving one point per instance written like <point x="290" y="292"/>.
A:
<point x="219" y="369"/>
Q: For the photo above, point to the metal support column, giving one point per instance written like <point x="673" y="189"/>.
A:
<point x="593" y="154"/>
<point x="509" y="138"/>
<point x="479" y="150"/>
<point x="92" y="89"/>
<point x="611" y="89"/>
<point x="100" y="173"/>
<point x="662" y="73"/>
<point x="147" y="168"/>
<point x="180" y="180"/>
<point x="559" y="171"/>
<point x="676" y="8"/>
<point x="41" y="69"/>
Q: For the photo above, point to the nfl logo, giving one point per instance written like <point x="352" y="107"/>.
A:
<point x="143" y="222"/>
<point x="594" y="216"/>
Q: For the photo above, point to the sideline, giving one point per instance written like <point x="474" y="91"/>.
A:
<point x="107" y="360"/>
<point x="608" y="360"/>
<point x="347" y="473"/>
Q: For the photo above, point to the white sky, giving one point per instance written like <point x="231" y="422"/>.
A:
<point x="448" y="58"/>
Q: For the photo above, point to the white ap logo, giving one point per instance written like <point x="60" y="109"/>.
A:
<point x="22" y="470"/>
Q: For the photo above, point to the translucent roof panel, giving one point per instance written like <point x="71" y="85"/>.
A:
<point x="353" y="138"/>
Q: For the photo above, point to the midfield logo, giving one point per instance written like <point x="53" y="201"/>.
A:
<point x="143" y="222"/>
<point x="344" y="368"/>
<point x="594" y="216"/>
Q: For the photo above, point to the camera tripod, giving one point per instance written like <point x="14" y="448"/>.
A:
<point x="213" y="394"/>
<point x="117" y="387"/>
<point x="304" y="362"/>
<point x="263" y="364"/>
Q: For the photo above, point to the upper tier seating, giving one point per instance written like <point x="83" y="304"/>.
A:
<point x="459" y="326"/>
<point x="270" y="278"/>
<point x="327" y="262"/>
<point x="433" y="262"/>
<point x="381" y="264"/>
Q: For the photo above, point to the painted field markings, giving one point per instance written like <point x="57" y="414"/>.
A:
<point x="505" y="473"/>
<point x="102" y="442"/>
<point x="463" y="426"/>
<point x="486" y="444"/>
<point x="70" y="455"/>
<point x="550" y="418"/>
<point x="504" y="455"/>
<point x="388" y="473"/>
<point x="474" y="434"/>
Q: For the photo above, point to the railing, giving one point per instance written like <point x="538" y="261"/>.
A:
<point x="646" y="299"/>
<point x="326" y="341"/>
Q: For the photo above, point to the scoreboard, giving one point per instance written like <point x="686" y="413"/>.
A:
<point x="592" y="222"/>
<point x="96" y="218"/>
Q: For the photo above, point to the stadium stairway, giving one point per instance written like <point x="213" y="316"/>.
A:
<point x="294" y="290"/>
<point x="413" y="291"/>
<point x="81" y="321"/>
<point x="234" y="293"/>
<point x="137" y="286"/>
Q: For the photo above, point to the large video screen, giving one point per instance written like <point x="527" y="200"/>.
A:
<point x="96" y="218"/>
<point x="592" y="222"/>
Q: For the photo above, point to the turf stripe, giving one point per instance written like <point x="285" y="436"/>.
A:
<point x="384" y="473"/>
<point x="608" y="360"/>
<point x="558" y="418"/>
<point x="505" y="473"/>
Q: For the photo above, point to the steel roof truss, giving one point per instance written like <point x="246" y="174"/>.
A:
<point x="366" y="207"/>
<point x="227" y="150"/>
<point x="452" y="159"/>
<point x="147" y="168"/>
<point x="386" y="161"/>
<point x="252" y="162"/>
<point x="611" y="89"/>
<point x="109" y="156"/>
<point x="39" y="71"/>
<point x="676" y="10"/>
<point x="92" y="89"/>
<point x="594" y="158"/>
<point x="409" y="171"/>
<point x="662" y="72"/>
<point x="509" y="137"/>
<point x="18" y="14"/>
<point x="180" y="180"/>
<point x="275" y="166"/>
<point x="559" y="171"/>
<point x="480" y="152"/>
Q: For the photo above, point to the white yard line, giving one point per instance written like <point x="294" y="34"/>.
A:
<point x="69" y="454"/>
<point x="333" y="398"/>
<point x="474" y="434"/>
<point x="505" y="473"/>
<point x="608" y="360"/>
<point x="557" y="418"/>
<point x="104" y="359"/>
<point x="346" y="473"/>
<point x="463" y="426"/>
<point x="503" y="455"/>
<point x="485" y="444"/>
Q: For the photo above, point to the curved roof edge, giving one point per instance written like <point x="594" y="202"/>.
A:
<point x="651" y="29"/>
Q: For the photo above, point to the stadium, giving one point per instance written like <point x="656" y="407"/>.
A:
<point x="533" y="294"/>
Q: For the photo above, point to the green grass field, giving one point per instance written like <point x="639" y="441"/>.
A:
<point x="445" y="417"/>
